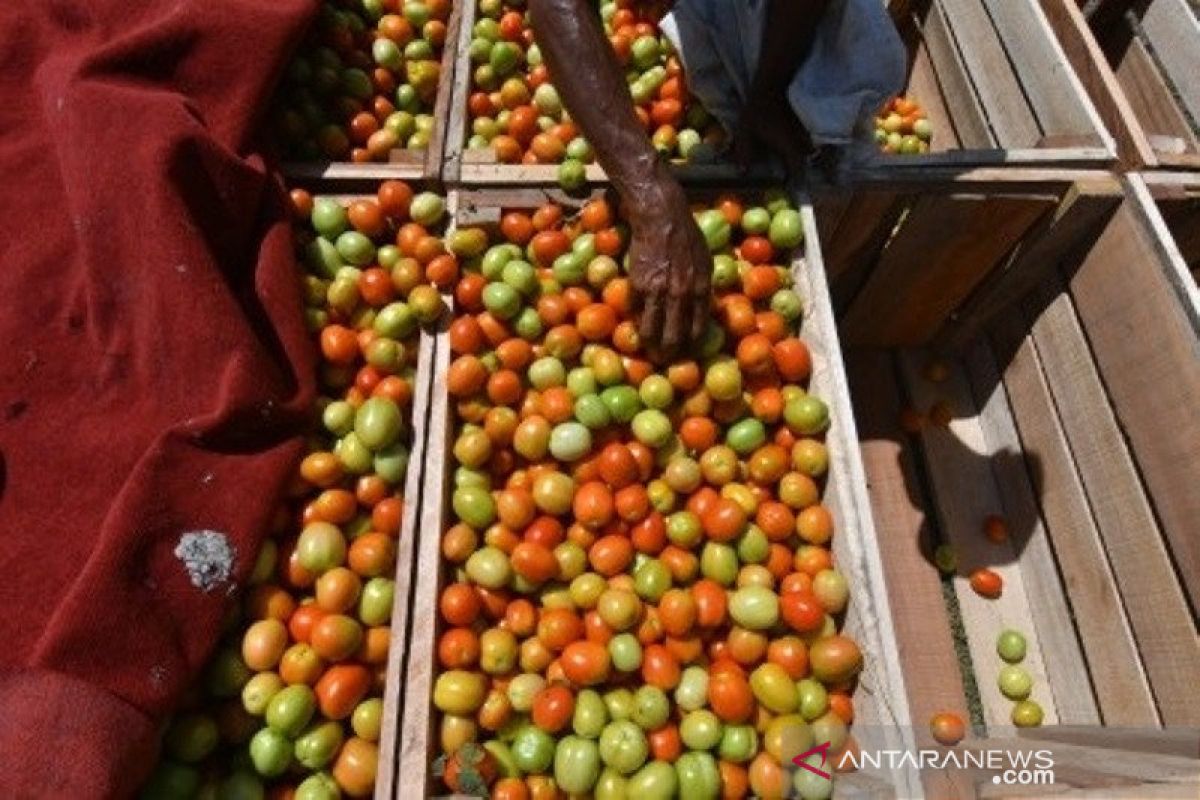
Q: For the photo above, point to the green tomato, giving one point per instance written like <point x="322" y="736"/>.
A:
<point x="831" y="589"/>
<point x="651" y="580"/>
<point x="318" y="745"/>
<point x="814" y="698"/>
<point x="581" y="381"/>
<point x="738" y="744"/>
<point x="684" y="529"/>
<point x="1015" y="682"/>
<point x="572" y="174"/>
<point x="746" y="436"/>
<point x="1027" y="714"/>
<point x="532" y="749"/>
<point x="723" y="380"/>
<point x="291" y="709"/>
<point x="591" y="714"/>
<point x="547" y="372"/>
<point x="811" y="786"/>
<point x="623" y="403"/>
<point x="497" y="651"/>
<point x="651" y="708"/>
<point x="474" y="506"/>
<point x="355" y="248"/>
<point x="259" y="690"/>
<point x="191" y="737"/>
<point x="787" y="229"/>
<point x="528" y="324"/>
<point x="459" y="692"/>
<point x="806" y="415"/>
<point x="576" y="764"/>
<point x="611" y="785"/>
<point x="502" y="300"/>
<point x="375" y="602"/>
<point x="619" y="703"/>
<point x="787" y="304"/>
<point x="652" y="428"/>
<point x="692" y="692"/>
<point x="754" y="607"/>
<point x="725" y="272"/>
<point x="545" y="97"/>
<point x="698" y="776"/>
<point x="367" y="719"/>
<point x="644" y="51"/>
<point x="720" y="563"/>
<point x="715" y="228"/>
<point x="700" y="729"/>
<point x="318" y="786"/>
<point x="320" y="547"/>
<point x="623" y="745"/>
<point x="495" y="259"/>
<point x="521" y="276"/>
<point x="656" y="392"/>
<point x="773" y="688"/>
<point x="570" y="441"/>
<point x="378" y="422"/>
<point x="655" y="781"/>
<point x="522" y="689"/>
<point x="753" y="546"/>
<point x="625" y="651"/>
<point x="396" y="321"/>
<point x="756" y="220"/>
<point x="504" y="58"/>
<point x="1011" y="646"/>
<point x="391" y="463"/>
<point x="829" y="727"/>
<point x="569" y="269"/>
<point x="427" y="209"/>
<point x="591" y="411"/>
<point x="329" y="217"/>
<point x="241" y="785"/>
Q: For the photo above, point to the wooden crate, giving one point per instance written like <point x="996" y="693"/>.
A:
<point x="882" y="716"/>
<point x="1070" y="378"/>
<point x="1138" y="60"/>
<point x="1175" y="196"/>
<point x="403" y="163"/>
<point x="996" y="86"/>
<point x="479" y="167"/>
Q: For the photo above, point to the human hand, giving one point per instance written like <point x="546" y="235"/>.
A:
<point x="670" y="271"/>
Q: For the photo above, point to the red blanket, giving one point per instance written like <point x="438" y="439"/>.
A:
<point x="154" y="367"/>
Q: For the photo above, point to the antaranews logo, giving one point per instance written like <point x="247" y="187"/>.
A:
<point x="1010" y="767"/>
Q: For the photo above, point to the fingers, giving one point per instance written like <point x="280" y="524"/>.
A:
<point x="700" y="307"/>
<point x="650" y="322"/>
<point x="678" y="320"/>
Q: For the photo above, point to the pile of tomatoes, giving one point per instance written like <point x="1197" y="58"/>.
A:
<point x="291" y="704"/>
<point x="516" y="111"/>
<point x="902" y="127"/>
<point x="364" y="82"/>
<point x="641" y="597"/>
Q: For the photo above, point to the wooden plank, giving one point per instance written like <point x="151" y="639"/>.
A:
<point x="970" y="122"/>
<point x="1000" y="93"/>
<point x="866" y="223"/>
<point x="926" y="648"/>
<point x="923" y="88"/>
<point x="1099" y="81"/>
<point x="1174" y="32"/>
<point x="436" y="153"/>
<point x="1065" y="664"/>
<point x="1183" y="741"/>
<point x="882" y="715"/>
<point x="1114" y="664"/>
<point x="1054" y="91"/>
<point x="1153" y="381"/>
<point x="1123" y="791"/>
<point x="1151" y="99"/>
<point x="960" y="470"/>
<point x="1064" y="235"/>
<point x="1158" y="609"/>
<point x="944" y="248"/>
<point x="393" y="695"/>
<point x="1182" y="217"/>
<point x="456" y="122"/>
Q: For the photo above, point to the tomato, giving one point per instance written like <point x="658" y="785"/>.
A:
<point x="987" y="583"/>
<point x="802" y="611"/>
<point x="835" y="659"/>
<point x="553" y="708"/>
<point x="341" y="688"/>
<point x="532" y="749"/>
<point x="586" y="663"/>
<point x="1010" y="646"/>
<point x="576" y="764"/>
<point x="660" y="668"/>
<point x="698" y="776"/>
<point x="459" y="692"/>
<point x="774" y="688"/>
<point x="730" y="696"/>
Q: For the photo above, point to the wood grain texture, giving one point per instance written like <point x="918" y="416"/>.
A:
<point x="924" y="88"/>
<point x="945" y="246"/>
<point x="1151" y="99"/>
<point x="1099" y="81"/>
<point x="1065" y="235"/>
<point x="958" y="93"/>
<point x="1157" y="606"/>
<point x="1174" y="32"/>
<point x="1066" y="668"/>
<point x="1114" y="663"/>
<point x="1152" y="379"/>
<point x="922" y="627"/>
<point x="959" y="467"/>
<point x="992" y="74"/>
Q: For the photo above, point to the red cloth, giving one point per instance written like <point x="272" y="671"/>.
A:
<point x="154" y="367"/>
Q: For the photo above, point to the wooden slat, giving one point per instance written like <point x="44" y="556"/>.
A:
<point x="1150" y="97"/>
<point x="1183" y="742"/>
<point x="1066" y="234"/>
<point x="944" y="248"/>
<point x="960" y="471"/>
<point x="393" y="695"/>
<point x="970" y="122"/>
<point x="1051" y="85"/>
<point x="1152" y="379"/>
<point x="1182" y="217"/>
<point x="1065" y="665"/>
<point x="456" y="121"/>
<point x="926" y="649"/>
<point x="1114" y="665"/>
<point x="1174" y="32"/>
<point x="1158" y="609"/>
<point x="1099" y="81"/>
<point x="923" y="88"/>
<point x="991" y="73"/>
<point x="864" y="227"/>
<point x="436" y="153"/>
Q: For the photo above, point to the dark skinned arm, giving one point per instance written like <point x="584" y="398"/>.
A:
<point x="670" y="266"/>
<point x="767" y="121"/>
